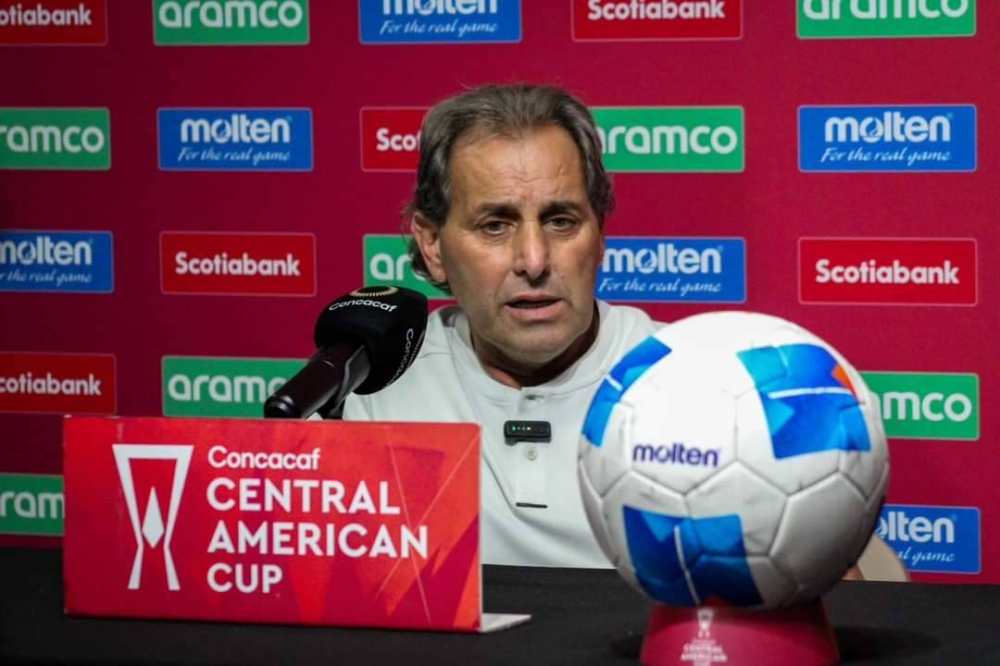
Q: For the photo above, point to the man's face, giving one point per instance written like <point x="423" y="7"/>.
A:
<point x="521" y="246"/>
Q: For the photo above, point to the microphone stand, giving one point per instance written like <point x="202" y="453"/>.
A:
<point x="337" y="370"/>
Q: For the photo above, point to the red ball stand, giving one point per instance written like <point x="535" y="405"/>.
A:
<point x="709" y="635"/>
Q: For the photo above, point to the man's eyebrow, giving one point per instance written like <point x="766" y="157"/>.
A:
<point x="510" y="211"/>
<point x="505" y="210"/>
<point x="558" y="207"/>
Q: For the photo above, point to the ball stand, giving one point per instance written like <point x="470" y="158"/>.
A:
<point x="708" y="635"/>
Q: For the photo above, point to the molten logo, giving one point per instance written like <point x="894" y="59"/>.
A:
<point x="651" y="20"/>
<point x="943" y="539"/>
<point x="887" y="138"/>
<point x="56" y="261"/>
<point x="235" y="139"/>
<point x="887" y="127"/>
<point x="676" y="454"/>
<point x="888" y="271"/>
<point x="439" y="21"/>
<point x="237" y="128"/>
<point x="255" y="264"/>
<point x="646" y="269"/>
<point x="390" y="138"/>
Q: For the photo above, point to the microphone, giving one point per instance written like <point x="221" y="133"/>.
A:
<point x="365" y="340"/>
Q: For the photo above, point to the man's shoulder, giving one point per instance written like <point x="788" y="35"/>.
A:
<point x="628" y="321"/>
<point x="431" y="378"/>
<point x="440" y="326"/>
<point x="439" y="336"/>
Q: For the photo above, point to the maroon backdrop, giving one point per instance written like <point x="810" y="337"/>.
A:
<point x="769" y="71"/>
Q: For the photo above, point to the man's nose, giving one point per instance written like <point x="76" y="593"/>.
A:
<point x="531" y="251"/>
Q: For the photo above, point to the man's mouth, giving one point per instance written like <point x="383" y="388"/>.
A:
<point x="532" y="304"/>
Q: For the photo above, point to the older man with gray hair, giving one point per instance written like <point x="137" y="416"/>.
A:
<point x="508" y="216"/>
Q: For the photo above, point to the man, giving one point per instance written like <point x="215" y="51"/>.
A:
<point x="508" y="216"/>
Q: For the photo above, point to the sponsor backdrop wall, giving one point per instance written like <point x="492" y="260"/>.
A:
<point x="184" y="185"/>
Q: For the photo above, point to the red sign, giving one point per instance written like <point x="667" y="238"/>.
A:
<point x="248" y="264"/>
<point x="290" y="522"/>
<point x="53" y="22"/>
<point x="888" y="271"/>
<point x="654" y="20"/>
<point x="57" y="383"/>
<point x="390" y="138"/>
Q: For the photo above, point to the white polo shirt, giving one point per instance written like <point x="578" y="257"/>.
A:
<point x="531" y="511"/>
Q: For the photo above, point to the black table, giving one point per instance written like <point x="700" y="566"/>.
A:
<point x="579" y="617"/>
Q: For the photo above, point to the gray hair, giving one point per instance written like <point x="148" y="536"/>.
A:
<point x="508" y="111"/>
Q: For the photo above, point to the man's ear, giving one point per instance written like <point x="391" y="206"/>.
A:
<point x="428" y="237"/>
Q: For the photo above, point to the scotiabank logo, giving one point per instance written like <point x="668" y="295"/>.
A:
<point x="390" y="138"/>
<point x="653" y="20"/>
<point x="57" y="383"/>
<point x="49" y="22"/>
<point x="888" y="271"/>
<point x="247" y="264"/>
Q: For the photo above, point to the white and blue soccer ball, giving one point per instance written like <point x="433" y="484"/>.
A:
<point x="734" y="458"/>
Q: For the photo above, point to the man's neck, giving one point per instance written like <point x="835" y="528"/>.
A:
<point x="508" y="372"/>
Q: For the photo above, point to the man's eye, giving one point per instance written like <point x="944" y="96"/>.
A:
<point x="493" y="227"/>
<point x="562" y="223"/>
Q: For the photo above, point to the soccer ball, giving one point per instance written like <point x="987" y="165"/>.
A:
<point x="733" y="458"/>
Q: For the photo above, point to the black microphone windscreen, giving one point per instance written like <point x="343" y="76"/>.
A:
<point x="390" y="323"/>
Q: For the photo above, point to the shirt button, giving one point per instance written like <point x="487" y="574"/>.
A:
<point x="531" y="453"/>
